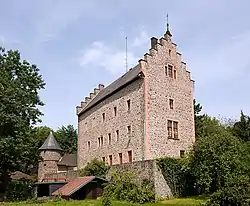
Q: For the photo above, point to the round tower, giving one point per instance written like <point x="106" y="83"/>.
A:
<point x="50" y="154"/>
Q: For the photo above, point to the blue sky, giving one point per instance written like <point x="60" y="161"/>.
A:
<point x="78" y="44"/>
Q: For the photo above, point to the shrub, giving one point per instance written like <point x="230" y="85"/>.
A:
<point x="124" y="187"/>
<point x="20" y="190"/>
<point x="95" y="168"/>
<point x="177" y="175"/>
<point x="237" y="193"/>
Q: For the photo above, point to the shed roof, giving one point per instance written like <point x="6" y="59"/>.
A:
<point x="50" y="143"/>
<point x="128" y="77"/>
<point x="74" y="185"/>
<point x="68" y="160"/>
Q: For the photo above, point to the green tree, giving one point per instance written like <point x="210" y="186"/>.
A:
<point x="241" y="128"/>
<point x="20" y="83"/>
<point x="217" y="158"/>
<point x="67" y="138"/>
<point x="198" y="119"/>
<point x="95" y="168"/>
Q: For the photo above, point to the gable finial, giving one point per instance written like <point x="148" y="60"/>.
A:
<point x="168" y="31"/>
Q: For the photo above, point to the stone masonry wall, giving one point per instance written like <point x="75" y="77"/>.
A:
<point x="48" y="164"/>
<point x="91" y="127"/>
<point x="162" y="88"/>
<point x="149" y="170"/>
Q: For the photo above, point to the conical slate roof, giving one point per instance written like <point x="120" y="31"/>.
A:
<point x="50" y="143"/>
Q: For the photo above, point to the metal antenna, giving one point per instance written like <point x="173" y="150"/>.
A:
<point x="126" y="59"/>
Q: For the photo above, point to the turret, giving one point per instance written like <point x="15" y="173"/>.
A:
<point x="50" y="154"/>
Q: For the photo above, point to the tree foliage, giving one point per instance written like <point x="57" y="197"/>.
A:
<point x="124" y="186"/>
<point x="67" y="138"/>
<point x="95" y="168"/>
<point x="20" y="83"/>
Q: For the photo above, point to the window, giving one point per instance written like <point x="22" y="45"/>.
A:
<point x="103" y="159"/>
<point x="166" y="70"/>
<point x="170" y="71"/>
<point x="169" y="52"/>
<point x="44" y="164"/>
<point x="175" y="130"/>
<point x="120" y="158"/>
<point x="109" y="135"/>
<point x="174" y="74"/>
<point x="115" y="111"/>
<point x="88" y="144"/>
<point x="110" y="160"/>
<point x="169" y="129"/>
<point x="117" y="135"/>
<point x="182" y="153"/>
<point x="103" y="117"/>
<point x="128" y="104"/>
<point x="101" y="140"/>
<point x="129" y="156"/>
<point x="129" y="130"/>
<point x="171" y="103"/>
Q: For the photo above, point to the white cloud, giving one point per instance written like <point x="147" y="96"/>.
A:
<point x="141" y="40"/>
<point x="102" y="56"/>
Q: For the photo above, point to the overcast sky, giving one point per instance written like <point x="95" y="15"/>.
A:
<point x="78" y="44"/>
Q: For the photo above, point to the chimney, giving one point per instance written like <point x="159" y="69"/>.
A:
<point x="154" y="41"/>
<point x="100" y="86"/>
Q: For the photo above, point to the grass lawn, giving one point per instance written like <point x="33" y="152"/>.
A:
<point x="176" y="202"/>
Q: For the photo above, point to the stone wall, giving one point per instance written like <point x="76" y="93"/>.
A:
<point x="69" y="175"/>
<point x="162" y="86"/>
<point x="91" y="127"/>
<point x="48" y="164"/>
<point x="149" y="170"/>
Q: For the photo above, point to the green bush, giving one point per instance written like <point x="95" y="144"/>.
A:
<point x="177" y="175"/>
<point x="20" y="190"/>
<point x="124" y="187"/>
<point x="235" y="194"/>
<point x="95" y="168"/>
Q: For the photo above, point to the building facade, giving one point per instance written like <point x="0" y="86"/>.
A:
<point x="53" y="159"/>
<point x="145" y="114"/>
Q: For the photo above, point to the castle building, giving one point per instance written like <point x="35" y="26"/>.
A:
<point x="145" y="114"/>
<point x="53" y="160"/>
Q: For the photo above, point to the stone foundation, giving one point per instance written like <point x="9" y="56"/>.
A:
<point x="147" y="169"/>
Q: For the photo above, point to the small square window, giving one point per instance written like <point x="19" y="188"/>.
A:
<point x="103" y="159"/>
<point x="120" y="158"/>
<point x="175" y="130"/>
<point x="182" y="153"/>
<point x="88" y="144"/>
<point x="109" y="136"/>
<point x="110" y="160"/>
<point x="169" y="52"/>
<point x="101" y="140"/>
<point x="174" y="74"/>
<point x="117" y="135"/>
<point x="129" y="130"/>
<point x="166" y="70"/>
<point x="103" y="117"/>
<point x="171" y="103"/>
<point x="129" y="156"/>
<point x="128" y="104"/>
<point x="115" y="111"/>
<point x="170" y="71"/>
<point x="170" y="128"/>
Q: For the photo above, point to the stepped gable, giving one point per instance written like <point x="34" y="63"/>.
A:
<point x="103" y="93"/>
<point x="50" y="143"/>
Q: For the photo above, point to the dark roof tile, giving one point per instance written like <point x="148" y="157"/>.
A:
<point x="50" y="143"/>
<point x="68" y="160"/>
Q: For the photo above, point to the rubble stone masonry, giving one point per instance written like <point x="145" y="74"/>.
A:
<point x="161" y="115"/>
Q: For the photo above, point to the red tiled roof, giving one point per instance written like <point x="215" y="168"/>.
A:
<point x="73" y="186"/>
